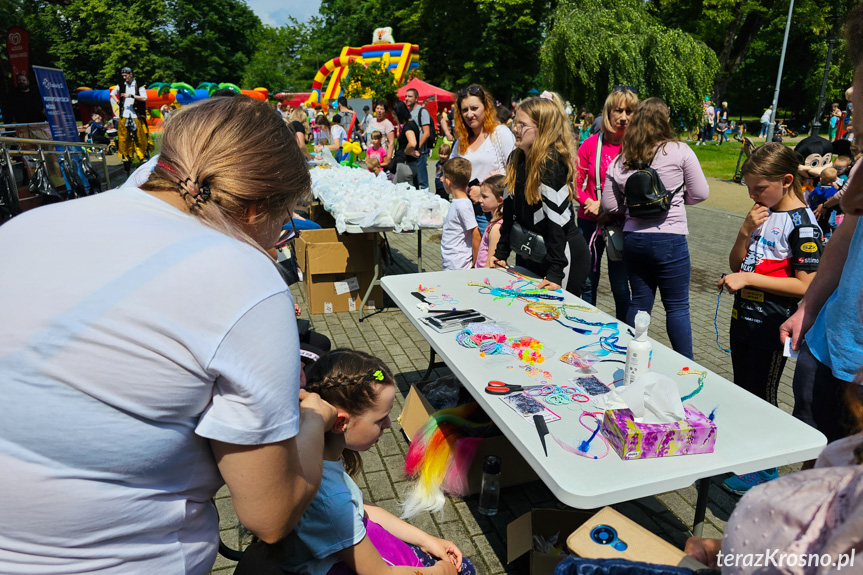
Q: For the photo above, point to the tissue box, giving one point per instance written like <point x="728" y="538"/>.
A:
<point x="631" y="440"/>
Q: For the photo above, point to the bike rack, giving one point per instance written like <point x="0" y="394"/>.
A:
<point x="10" y="147"/>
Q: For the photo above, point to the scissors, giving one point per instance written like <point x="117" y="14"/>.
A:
<point x="501" y="388"/>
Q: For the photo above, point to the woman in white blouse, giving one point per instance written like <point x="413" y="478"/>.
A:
<point x="480" y="139"/>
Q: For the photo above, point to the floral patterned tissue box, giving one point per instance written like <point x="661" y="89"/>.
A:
<point x="696" y="433"/>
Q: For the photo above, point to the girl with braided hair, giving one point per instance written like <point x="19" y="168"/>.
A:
<point x="340" y="534"/>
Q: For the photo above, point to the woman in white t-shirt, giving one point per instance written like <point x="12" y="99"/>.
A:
<point x="167" y="366"/>
<point x="381" y="124"/>
<point x="482" y="140"/>
<point x="335" y="134"/>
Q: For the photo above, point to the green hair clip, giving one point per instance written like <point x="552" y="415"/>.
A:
<point x="378" y="375"/>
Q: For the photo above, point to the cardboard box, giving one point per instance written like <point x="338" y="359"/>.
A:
<point x="514" y="470"/>
<point x="610" y="535"/>
<point x="641" y="544"/>
<point x="632" y="440"/>
<point x="337" y="270"/>
<point x="545" y="523"/>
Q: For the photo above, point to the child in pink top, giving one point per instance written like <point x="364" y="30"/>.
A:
<point x="491" y="194"/>
<point x="376" y="150"/>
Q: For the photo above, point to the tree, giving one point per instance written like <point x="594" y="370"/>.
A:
<point x="494" y="43"/>
<point x="373" y="80"/>
<point x="90" y="40"/>
<point x="626" y="46"/>
<point x="210" y="40"/>
<point x="747" y="37"/>
<point x="727" y="26"/>
<point x="352" y="23"/>
<point x="286" y="58"/>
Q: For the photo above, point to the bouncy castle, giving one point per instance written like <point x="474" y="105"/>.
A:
<point x="400" y="59"/>
<point x="160" y="94"/>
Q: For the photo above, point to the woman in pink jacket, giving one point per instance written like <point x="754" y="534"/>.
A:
<point x="616" y="114"/>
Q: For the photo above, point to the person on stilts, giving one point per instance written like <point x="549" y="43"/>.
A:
<point x="132" y="131"/>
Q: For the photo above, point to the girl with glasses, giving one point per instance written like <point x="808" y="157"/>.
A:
<point x="539" y="184"/>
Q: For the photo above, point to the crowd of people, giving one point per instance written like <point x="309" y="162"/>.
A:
<point x="169" y="363"/>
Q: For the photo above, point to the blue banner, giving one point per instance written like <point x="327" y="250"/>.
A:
<point x="57" y="103"/>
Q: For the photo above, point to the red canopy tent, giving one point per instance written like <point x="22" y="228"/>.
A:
<point x="427" y="91"/>
<point x="431" y="97"/>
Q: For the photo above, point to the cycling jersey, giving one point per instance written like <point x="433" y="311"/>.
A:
<point x="787" y="242"/>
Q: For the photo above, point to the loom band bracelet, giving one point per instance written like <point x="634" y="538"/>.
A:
<point x="556" y="399"/>
<point x="542" y="391"/>
<point x="579" y="398"/>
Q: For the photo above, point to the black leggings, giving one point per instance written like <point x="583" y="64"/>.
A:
<point x="578" y="267"/>
<point x="757" y="369"/>
<point x="820" y="398"/>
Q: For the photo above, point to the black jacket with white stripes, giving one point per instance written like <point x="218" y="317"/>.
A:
<point x="552" y="218"/>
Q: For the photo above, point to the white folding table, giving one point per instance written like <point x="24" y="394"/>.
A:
<point x="752" y="434"/>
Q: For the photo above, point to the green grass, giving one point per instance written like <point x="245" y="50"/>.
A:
<point x="717" y="161"/>
<point x="720" y="161"/>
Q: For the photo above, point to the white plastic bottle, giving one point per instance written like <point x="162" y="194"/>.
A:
<point x="639" y="351"/>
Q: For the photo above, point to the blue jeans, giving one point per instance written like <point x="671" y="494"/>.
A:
<point x="422" y="170"/>
<point x="616" y="272"/>
<point x="661" y="260"/>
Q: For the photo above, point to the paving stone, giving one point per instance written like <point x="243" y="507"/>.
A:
<point x="372" y="461"/>
<point x="493" y="552"/>
<point x="395" y="466"/>
<point x="379" y="486"/>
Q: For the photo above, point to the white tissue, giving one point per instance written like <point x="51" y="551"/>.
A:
<point x="652" y="398"/>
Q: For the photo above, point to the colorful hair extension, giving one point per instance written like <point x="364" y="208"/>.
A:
<point x="455" y="481"/>
<point x="439" y="456"/>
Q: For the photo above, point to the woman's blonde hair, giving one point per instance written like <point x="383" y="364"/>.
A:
<point x="648" y="133"/>
<point x="552" y="135"/>
<point x="299" y="115"/>
<point x="349" y="379"/>
<point x="627" y="97"/>
<point x="489" y="123"/>
<point x="217" y="145"/>
<point x="774" y="161"/>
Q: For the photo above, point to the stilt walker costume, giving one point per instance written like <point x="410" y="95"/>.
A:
<point x="132" y="130"/>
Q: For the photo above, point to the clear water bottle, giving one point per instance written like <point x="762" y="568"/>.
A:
<point x="489" y="494"/>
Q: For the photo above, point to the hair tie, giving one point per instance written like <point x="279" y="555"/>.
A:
<point x="547" y="95"/>
<point x="378" y="375"/>
<point x="188" y="186"/>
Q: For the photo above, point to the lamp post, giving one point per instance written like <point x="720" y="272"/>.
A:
<point x="772" y="125"/>
<point x="816" y="123"/>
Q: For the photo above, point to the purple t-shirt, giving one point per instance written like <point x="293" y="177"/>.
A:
<point x="676" y="164"/>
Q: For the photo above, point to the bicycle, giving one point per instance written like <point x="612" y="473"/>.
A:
<point x="786" y="132"/>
